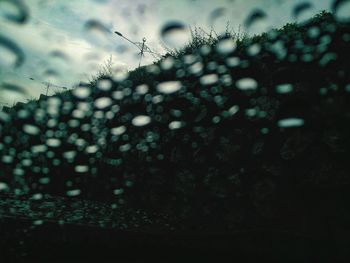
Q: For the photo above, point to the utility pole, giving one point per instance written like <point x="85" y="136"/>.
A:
<point x="49" y="85"/>
<point x="142" y="50"/>
<point x="47" y="88"/>
<point x="141" y="46"/>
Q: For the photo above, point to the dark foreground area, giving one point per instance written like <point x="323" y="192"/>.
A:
<point x="54" y="243"/>
<point x="80" y="231"/>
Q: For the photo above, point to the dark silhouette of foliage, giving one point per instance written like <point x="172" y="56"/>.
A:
<point x="251" y="149"/>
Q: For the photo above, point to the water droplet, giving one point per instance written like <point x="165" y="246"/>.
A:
<point x="11" y="90"/>
<point x="14" y="11"/>
<point x="10" y="53"/>
<point x="104" y="84"/>
<point x="125" y="147"/>
<point x="168" y="87"/>
<point x="215" y="14"/>
<point x="76" y="114"/>
<point x="69" y="155"/>
<point x="81" y="92"/>
<point x="74" y="192"/>
<point x="4" y="117"/>
<point x="118" y="191"/>
<point x="91" y="149"/>
<point x="167" y="63"/>
<point x="314" y="32"/>
<point x="3" y="186"/>
<point x="142" y="89"/>
<point x="196" y="68"/>
<point x="119" y="73"/>
<point x="209" y="79"/>
<point x="300" y="8"/>
<point x="189" y="59"/>
<point x="233" y="61"/>
<point x="39" y="148"/>
<point x="59" y="54"/>
<point x="290" y="122"/>
<point x="157" y="99"/>
<point x="255" y="16"/>
<point x="129" y="183"/>
<point x="175" y="125"/>
<point x="264" y="130"/>
<point x="18" y="171"/>
<point x="7" y="159"/>
<point x="205" y="50"/>
<point x="341" y="9"/>
<point x="54" y="101"/>
<point x="279" y="49"/>
<point x="141" y="120"/>
<point x="174" y="34"/>
<point x="247" y="84"/>
<point x="284" y="88"/>
<point x="96" y="26"/>
<point x="50" y="76"/>
<point x="81" y="168"/>
<point x="38" y="222"/>
<point x="31" y="129"/>
<point x="233" y="110"/>
<point x="216" y="119"/>
<point x="37" y="196"/>
<point x="153" y="69"/>
<point x="347" y="88"/>
<point x="118" y="95"/>
<point x="254" y="49"/>
<point x="226" y="46"/>
<point x="118" y="130"/>
<point x="218" y="18"/>
<point x="53" y="142"/>
<point x="44" y="180"/>
<point x="103" y="102"/>
<point x="251" y="112"/>
<point x="26" y="162"/>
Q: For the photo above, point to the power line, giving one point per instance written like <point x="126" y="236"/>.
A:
<point x="48" y="85"/>
<point x="25" y="76"/>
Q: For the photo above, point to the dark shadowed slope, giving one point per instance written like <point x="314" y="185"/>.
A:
<point x="234" y="147"/>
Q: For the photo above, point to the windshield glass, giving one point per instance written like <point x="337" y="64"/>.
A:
<point x="181" y="117"/>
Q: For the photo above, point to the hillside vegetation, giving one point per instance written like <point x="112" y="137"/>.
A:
<point x="229" y="133"/>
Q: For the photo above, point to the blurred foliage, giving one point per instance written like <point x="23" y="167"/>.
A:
<point x="231" y="162"/>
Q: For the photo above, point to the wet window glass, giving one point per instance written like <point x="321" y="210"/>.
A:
<point x="136" y="130"/>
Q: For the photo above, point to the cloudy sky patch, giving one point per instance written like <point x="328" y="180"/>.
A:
<point x="62" y="47"/>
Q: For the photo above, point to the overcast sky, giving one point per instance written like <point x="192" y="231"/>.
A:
<point x="67" y="41"/>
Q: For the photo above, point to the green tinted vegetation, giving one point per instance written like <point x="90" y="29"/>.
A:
<point x="229" y="133"/>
